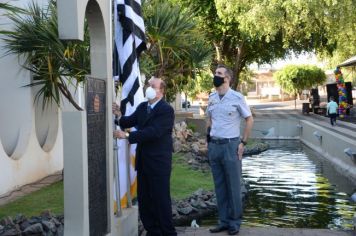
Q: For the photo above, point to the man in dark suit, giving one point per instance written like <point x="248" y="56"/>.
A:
<point x="154" y="122"/>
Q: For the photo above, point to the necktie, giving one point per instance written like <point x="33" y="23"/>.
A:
<point x="149" y="109"/>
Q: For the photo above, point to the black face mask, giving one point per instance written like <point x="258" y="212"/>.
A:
<point x="218" y="81"/>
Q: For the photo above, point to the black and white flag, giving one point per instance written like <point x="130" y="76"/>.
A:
<point x="129" y="43"/>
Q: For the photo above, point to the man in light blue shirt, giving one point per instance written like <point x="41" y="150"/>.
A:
<point x="225" y="110"/>
<point x="331" y="109"/>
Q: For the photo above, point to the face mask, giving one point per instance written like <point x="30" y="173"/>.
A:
<point x="150" y="93"/>
<point x="218" y="81"/>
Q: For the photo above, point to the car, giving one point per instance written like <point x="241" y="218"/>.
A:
<point x="186" y="104"/>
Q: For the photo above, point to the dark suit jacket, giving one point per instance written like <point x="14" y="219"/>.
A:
<point x="153" y="137"/>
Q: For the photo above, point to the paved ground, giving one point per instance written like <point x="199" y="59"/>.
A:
<point x="247" y="231"/>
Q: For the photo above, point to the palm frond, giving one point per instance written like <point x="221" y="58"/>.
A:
<point x="35" y="37"/>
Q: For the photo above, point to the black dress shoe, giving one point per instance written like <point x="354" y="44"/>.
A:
<point x="218" y="229"/>
<point x="233" y="231"/>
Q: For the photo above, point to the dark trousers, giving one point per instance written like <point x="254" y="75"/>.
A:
<point x="332" y="118"/>
<point x="154" y="204"/>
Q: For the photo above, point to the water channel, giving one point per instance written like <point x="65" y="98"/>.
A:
<point x="290" y="186"/>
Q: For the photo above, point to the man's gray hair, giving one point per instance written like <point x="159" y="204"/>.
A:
<point x="228" y="71"/>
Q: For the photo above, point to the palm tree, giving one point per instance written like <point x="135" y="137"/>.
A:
<point x="176" y="49"/>
<point x="55" y="64"/>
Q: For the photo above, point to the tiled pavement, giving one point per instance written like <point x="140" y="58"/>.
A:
<point x="270" y="231"/>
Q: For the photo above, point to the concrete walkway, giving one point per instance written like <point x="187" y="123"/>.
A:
<point x="346" y="129"/>
<point x="247" y="231"/>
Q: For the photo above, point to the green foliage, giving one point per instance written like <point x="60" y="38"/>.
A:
<point x="201" y="84"/>
<point x="261" y="31"/>
<point x="177" y="49"/>
<point x="233" y="47"/>
<point x="322" y="25"/>
<point x="55" y="64"/>
<point x="49" y="198"/>
<point x="293" y="78"/>
<point x="192" y="127"/>
<point x="184" y="180"/>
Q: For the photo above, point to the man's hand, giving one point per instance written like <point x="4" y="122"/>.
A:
<point x="240" y="151"/>
<point x="116" y="109"/>
<point x="119" y="134"/>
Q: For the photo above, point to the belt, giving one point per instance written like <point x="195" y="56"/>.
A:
<point x="223" y="140"/>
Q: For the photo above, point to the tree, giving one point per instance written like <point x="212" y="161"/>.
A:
<point x="293" y="79"/>
<point x="177" y="50"/>
<point x="54" y="63"/>
<point x="326" y="27"/>
<point x="262" y="30"/>
<point x="233" y="47"/>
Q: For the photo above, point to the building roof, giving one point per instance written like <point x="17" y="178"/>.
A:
<point x="349" y="62"/>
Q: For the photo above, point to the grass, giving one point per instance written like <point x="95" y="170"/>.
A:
<point x="48" y="198"/>
<point x="184" y="182"/>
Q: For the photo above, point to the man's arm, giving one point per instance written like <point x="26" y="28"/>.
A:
<point x="129" y="121"/>
<point x="248" y="128"/>
<point x="247" y="131"/>
<point x="208" y="128"/>
<point x="163" y="123"/>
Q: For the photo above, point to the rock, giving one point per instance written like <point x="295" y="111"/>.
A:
<point x="34" y="229"/>
<point x="256" y="149"/>
<point x="199" y="192"/>
<point x="185" y="210"/>
<point x="49" y="226"/>
<point x="24" y="225"/>
<point x="203" y="151"/>
<point x="202" y="205"/>
<point x="177" y="146"/>
<point x="11" y="232"/>
<point x="211" y="204"/>
<point x="47" y="215"/>
<point x="195" y="147"/>
<point x="19" y="219"/>
<point x="175" y="212"/>
<point x="194" y="203"/>
<point x="202" y="141"/>
<point x="7" y="221"/>
<point x="60" y="231"/>
<point x="353" y="197"/>
<point x="55" y="221"/>
<point x="34" y="220"/>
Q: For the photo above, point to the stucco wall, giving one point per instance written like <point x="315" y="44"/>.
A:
<point x="30" y="138"/>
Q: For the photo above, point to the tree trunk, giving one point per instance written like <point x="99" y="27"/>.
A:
<point x="238" y="65"/>
<point x="295" y="101"/>
<point x="218" y="52"/>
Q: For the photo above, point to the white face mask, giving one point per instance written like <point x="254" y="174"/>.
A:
<point x="150" y="93"/>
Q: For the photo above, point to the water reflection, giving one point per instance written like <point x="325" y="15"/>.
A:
<point x="291" y="187"/>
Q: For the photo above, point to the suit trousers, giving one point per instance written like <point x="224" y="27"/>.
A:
<point x="154" y="204"/>
<point x="226" y="169"/>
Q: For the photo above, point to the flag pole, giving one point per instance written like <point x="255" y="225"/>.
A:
<point x="118" y="208"/>
<point x="128" y="164"/>
<point x="116" y="176"/>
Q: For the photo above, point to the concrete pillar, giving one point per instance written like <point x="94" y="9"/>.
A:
<point x="76" y="211"/>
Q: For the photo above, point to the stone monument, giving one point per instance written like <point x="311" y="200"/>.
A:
<point x="87" y="135"/>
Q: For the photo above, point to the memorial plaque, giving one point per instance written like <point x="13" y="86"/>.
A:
<point x="96" y="119"/>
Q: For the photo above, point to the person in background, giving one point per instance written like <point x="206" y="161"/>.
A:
<point x="154" y="122"/>
<point x="225" y="109"/>
<point x="331" y="110"/>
